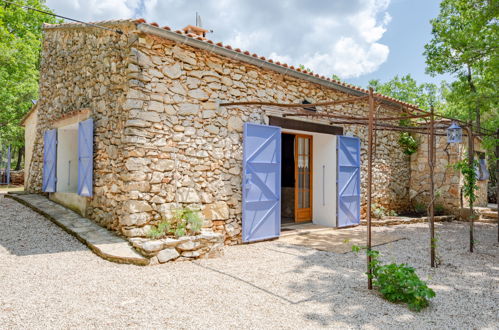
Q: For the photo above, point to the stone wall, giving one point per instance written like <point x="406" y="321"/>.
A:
<point x="448" y="181"/>
<point x="183" y="149"/>
<point x="160" y="139"/>
<point x="86" y="68"/>
<point x="29" y="123"/>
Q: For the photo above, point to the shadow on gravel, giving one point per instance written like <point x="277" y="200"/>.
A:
<point x="24" y="232"/>
<point x="341" y="282"/>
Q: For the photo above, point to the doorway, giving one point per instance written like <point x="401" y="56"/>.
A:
<point x="296" y="178"/>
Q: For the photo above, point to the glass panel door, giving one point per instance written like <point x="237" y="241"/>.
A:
<point x="303" y="175"/>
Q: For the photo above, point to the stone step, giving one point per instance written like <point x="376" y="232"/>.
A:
<point x="105" y="243"/>
<point x="489" y="214"/>
<point x="486" y="220"/>
<point x="392" y="221"/>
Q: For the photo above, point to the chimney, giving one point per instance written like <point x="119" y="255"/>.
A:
<point x="199" y="31"/>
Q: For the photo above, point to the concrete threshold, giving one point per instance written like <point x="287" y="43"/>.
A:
<point x="302" y="228"/>
<point x="101" y="241"/>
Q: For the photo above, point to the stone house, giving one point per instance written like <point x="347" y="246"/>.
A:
<point x="130" y="127"/>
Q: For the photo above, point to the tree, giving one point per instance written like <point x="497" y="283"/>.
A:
<point x="407" y="89"/>
<point x="20" y="43"/>
<point x="464" y="44"/>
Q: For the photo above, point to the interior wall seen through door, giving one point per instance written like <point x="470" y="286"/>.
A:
<point x="288" y="178"/>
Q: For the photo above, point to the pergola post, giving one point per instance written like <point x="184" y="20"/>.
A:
<point x="431" y="164"/>
<point x="497" y="182"/>
<point x="471" y="165"/>
<point x="369" y="184"/>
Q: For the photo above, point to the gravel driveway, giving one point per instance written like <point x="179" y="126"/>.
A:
<point x="49" y="280"/>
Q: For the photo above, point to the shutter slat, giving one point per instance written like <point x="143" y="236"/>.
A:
<point x="49" y="178"/>
<point x="85" y="157"/>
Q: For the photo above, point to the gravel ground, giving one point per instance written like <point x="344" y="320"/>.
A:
<point x="49" y="280"/>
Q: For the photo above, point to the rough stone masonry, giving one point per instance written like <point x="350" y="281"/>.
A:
<point x="161" y="141"/>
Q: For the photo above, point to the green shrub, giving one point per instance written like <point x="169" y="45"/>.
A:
<point x="408" y="143"/>
<point x="379" y="211"/>
<point x="439" y="209"/>
<point x="420" y="208"/>
<point x="399" y="283"/>
<point x="186" y="221"/>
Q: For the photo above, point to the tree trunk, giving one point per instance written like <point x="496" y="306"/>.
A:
<point x="20" y="154"/>
<point x="477" y="106"/>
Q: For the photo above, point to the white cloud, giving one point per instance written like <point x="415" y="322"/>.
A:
<point x="95" y="10"/>
<point x="330" y="36"/>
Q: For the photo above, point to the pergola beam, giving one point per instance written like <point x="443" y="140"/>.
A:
<point x="299" y="105"/>
<point x="328" y="115"/>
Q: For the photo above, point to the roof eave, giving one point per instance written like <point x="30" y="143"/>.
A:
<point x="146" y="28"/>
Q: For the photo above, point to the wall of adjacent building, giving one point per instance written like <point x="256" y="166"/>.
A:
<point x="29" y="141"/>
<point x="448" y="181"/>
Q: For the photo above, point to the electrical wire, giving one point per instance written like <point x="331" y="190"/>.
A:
<point x="63" y="17"/>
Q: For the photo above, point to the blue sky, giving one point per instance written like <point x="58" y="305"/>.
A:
<point x="358" y="40"/>
<point x="407" y="33"/>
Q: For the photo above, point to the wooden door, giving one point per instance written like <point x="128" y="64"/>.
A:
<point x="303" y="178"/>
<point x="261" y="182"/>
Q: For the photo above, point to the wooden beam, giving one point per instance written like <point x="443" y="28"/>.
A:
<point x="305" y="126"/>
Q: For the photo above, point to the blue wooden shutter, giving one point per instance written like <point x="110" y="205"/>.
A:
<point x="348" y="181"/>
<point x="261" y="182"/>
<point x="85" y="157"/>
<point x="49" y="179"/>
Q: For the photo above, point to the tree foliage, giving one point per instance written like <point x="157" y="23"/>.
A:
<point x="20" y="42"/>
<point x="406" y="89"/>
<point x="465" y="45"/>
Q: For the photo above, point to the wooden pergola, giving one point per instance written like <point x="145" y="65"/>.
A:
<point x="389" y="123"/>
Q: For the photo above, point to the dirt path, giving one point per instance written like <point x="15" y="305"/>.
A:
<point x="50" y="280"/>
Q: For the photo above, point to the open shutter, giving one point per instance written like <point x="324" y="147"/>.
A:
<point x="348" y="181"/>
<point x="85" y="157"/>
<point x="49" y="180"/>
<point x="261" y="182"/>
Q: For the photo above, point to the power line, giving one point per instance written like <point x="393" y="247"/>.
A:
<point x="63" y="17"/>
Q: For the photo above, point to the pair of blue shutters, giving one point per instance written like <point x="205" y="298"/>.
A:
<point x="262" y="182"/>
<point x="85" y="159"/>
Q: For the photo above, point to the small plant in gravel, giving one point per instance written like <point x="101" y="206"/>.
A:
<point x="398" y="282"/>
<point x="186" y="221"/>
